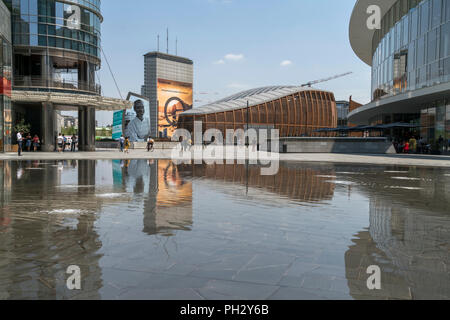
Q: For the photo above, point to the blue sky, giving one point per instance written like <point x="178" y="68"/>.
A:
<point x="235" y="44"/>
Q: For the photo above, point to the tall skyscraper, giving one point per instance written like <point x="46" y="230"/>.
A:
<point x="168" y="84"/>
<point x="56" y="55"/>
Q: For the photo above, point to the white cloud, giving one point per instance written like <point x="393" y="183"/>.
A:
<point x="286" y="63"/>
<point x="230" y="57"/>
<point x="234" y="57"/>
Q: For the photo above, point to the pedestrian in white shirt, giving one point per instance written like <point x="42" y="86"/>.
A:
<point x="19" y="143"/>
<point x="60" y="143"/>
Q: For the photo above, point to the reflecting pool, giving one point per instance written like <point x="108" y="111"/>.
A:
<point x="145" y="229"/>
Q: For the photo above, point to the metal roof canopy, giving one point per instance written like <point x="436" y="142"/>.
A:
<point x="69" y="99"/>
<point x="407" y="102"/>
<point x="254" y="97"/>
<point x="397" y="125"/>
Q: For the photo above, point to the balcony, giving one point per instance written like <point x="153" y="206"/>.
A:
<point x="50" y="84"/>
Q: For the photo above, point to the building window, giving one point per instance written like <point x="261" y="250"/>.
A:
<point x="436" y="13"/>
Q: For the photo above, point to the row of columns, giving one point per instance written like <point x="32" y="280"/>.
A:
<point x="49" y="128"/>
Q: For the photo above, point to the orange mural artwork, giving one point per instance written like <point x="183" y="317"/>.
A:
<point x="173" y="98"/>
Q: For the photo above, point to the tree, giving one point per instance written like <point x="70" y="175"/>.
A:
<point x="69" y="131"/>
<point x="23" y="127"/>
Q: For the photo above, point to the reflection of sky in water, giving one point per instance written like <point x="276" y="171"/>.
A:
<point x="155" y="230"/>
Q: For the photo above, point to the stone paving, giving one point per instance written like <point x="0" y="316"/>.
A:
<point x="196" y="234"/>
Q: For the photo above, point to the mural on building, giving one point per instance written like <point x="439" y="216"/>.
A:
<point x="173" y="98"/>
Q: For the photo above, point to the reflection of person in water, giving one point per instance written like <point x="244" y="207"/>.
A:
<point x="137" y="173"/>
<point x="171" y="176"/>
<point x="139" y="128"/>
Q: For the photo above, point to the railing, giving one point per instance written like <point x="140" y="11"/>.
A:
<point x="49" y="83"/>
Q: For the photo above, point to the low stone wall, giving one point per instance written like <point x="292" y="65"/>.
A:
<point x="335" y="145"/>
<point x="107" y="144"/>
<point x="136" y="145"/>
<point x="157" y="145"/>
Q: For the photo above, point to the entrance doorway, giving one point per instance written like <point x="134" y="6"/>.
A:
<point x="68" y="126"/>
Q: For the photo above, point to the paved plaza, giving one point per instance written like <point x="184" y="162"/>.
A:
<point x="110" y="154"/>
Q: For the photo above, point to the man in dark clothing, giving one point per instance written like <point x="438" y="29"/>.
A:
<point x="73" y="143"/>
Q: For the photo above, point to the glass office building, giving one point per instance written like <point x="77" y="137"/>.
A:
<point x="5" y="78"/>
<point x="410" y="60"/>
<point x="343" y="109"/>
<point x="56" y="45"/>
<point x="412" y="50"/>
<point x="54" y="48"/>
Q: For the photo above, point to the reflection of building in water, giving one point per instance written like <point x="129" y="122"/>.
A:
<point x="45" y="233"/>
<point x="430" y="188"/>
<point x="293" y="181"/>
<point x="174" y="202"/>
<point x="168" y="198"/>
<point x="411" y="246"/>
<point x="5" y="182"/>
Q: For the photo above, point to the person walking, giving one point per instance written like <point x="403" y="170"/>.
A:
<point x="28" y="142"/>
<point x="413" y="144"/>
<point x="407" y="147"/>
<point x="127" y="145"/>
<point x="73" y="145"/>
<point x="121" y="143"/>
<point x="64" y="143"/>
<point x="36" y="142"/>
<point x="60" y="141"/>
<point x="150" y="143"/>
<point x="182" y="141"/>
<point x="19" y="143"/>
<point x="441" y="144"/>
<point x="423" y="145"/>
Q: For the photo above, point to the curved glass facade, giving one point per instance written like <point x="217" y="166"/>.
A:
<point x="5" y="78"/>
<point x="412" y="49"/>
<point x="56" y="45"/>
<point x="49" y="23"/>
<point x="5" y="94"/>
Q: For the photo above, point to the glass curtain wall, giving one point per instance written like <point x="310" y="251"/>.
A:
<point x="435" y="122"/>
<point x="56" y="45"/>
<point x="412" y="49"/>
<point x="342" y="113"/>
<point x="48" y="23"/>
<point x="5" y="95"/>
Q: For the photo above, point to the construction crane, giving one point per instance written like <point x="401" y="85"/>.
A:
<point x="309" y="84"/>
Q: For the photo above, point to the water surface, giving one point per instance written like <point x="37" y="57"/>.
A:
<point x="152" y="230"/>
